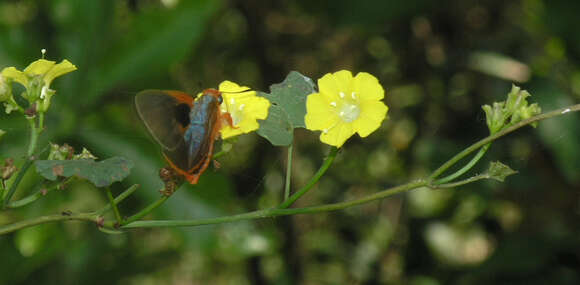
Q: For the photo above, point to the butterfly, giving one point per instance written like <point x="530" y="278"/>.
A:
<point x="186" y="128"/>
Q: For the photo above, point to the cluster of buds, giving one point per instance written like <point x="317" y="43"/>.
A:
<point x="511" y="111"/>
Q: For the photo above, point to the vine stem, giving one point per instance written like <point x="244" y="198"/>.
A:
<point x="325" y="165"/>
<point x="113" y="205"/>
<point x="47" y="219"/>
<point x="35" y="196"/>
<point x="491" y="138"/>
<point x="465" y="168"/>
<point x="90" y="217"/>
<point x="33" y="136"/>
<point x="288" y="172"/>
<point x="16" y="182"/>
<point x="275" y="212"/>
<point x="146" y="211"/>
<point x="118" y="199"/>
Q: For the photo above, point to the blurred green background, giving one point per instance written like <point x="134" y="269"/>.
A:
<point x="439" y="61"/>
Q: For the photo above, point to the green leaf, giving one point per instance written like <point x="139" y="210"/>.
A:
<point x="499" y="171"/>
<point x="102" y="173"/>
<point x="288" y="108"/>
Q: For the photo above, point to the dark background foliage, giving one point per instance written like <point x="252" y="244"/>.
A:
<point x="439" y="61"/>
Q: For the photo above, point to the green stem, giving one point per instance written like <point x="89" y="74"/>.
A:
<point x="113" y="205"/>
<point x="465" y="168"/>
<point x="16" y="182"/>
<point x="93" y="217"/>
<point x="118" y="200"/>
<point x="33" y="197"/>
<point x="288" y="172"/>
<point x="461" y="182"/>
<point x="325" y="165"/>
<point x="33" y="136"/>
<point x="491" y="138"/>
<point x="47" y="219"/>
<point x="145" y="211"/>
<point x="274" y="212"/>
<point x="40" y="123"/>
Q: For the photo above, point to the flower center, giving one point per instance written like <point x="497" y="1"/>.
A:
<point x="347" y="107"/>
<point x="236" y="111"/>
<point x="349" y="112"/>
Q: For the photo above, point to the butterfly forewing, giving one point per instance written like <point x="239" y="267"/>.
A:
<point x="166" y="115"/>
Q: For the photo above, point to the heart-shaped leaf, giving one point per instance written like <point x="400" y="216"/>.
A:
<point x="288" y="108"/>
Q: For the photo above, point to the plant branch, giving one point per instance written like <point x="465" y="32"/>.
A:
<point x="47" y="219"/>
<point x="146" y="211"/>
<point x="17" y="180"/>
<point x="118" y="200"/>
<point x="465" y="168"/>
<point x="461" y="182"/>
<point x="36" y="195"/>
<point x="491" y="138"/>
<point x="288" y="172"/>
<point x="325" y="165"/>
<point x="275" y="212"/>
<point x="33" y="135"/>
<point x="113" y="205"/>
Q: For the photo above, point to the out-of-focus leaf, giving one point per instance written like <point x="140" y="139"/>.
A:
<point x="103" y="173"/>
<point x="158" y="39"/>
<point x="288" y="108"/>
<point x="560" y="134"/>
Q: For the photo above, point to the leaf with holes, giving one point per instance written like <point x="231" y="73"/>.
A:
<point x="102" y="173"/>
<point x="288" y="108"/>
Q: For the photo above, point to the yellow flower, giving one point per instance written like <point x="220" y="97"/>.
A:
<point x="344" y="106"/>
<point x="47" y="70"/>
<point x="244" y="107"/>
<point x="37" y="77"/>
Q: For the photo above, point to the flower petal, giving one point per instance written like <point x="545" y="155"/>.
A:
<point x="319" y="113"/>
<point x="62" y="68"/>
<point x="331" y="84"/>
<point x="338" y="135"/>
<point x="228" y="86"/>
<point x="367" y="87"/>
<point x="372" y="115"/>
<point x="16" y="75"/>
<point x="39" y="67"/>
<point x="244" y="107"/>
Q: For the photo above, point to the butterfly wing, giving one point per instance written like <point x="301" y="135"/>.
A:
<point x="166" y="115"/>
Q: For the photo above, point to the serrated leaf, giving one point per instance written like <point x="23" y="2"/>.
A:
<point x="102" y="173"/>
<point x="288" y="108"/>
<point x="499" y="171"/>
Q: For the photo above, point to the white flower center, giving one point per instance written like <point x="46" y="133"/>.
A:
<point x="347" y="107"/>
<point x="236" y="112"/>
<point x="349" y="112"/>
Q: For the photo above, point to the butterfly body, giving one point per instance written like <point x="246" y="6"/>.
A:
<point x="185" y="128"/>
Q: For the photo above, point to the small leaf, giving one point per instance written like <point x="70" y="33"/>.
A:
<point x="288" y="108"/>
<point x="102" y="173"/>
<point x="499" y="171"/>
